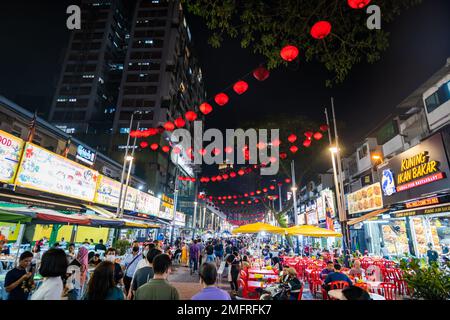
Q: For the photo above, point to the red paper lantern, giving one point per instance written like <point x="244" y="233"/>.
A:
<point x="225" y="176"/>
<point x="205" y="108"/>
<point x="176" y="150"/>
<point x="144" y="144"/>
<point x="179" y="122"/>
<point x="292" y="138"/>
<point x="190" y="116"/>
<point x="283" y="155"/>
<point x="234" y="197"/>
<point x="261" y="73"/>
<point x="202" y="151"/>
<point x="265" y="190"/>
<point x="256" y="200"/>
<point x="240" y="87"/>
<point x="272" y="187"/>
<point x="358" y="4"/>
<point x="233" y="174"/>
<point x="318" y="136"/>
<point x="261" y="145"/>
<point x="307" y="143"/>
<point x="241" y="172"/>
<point x="287" y="180"/>
<point x="289" y="53"/>
<point x="309" y="135"/>
<point x="213" y="179"/>
<point x="169" y="126"/>
<point x="216" y="151"/>
<point x="323" y="127"/>
<point x="206" y="179"/>
<point x="321" y="29"/>
<point x="236" y="202"/>
<point x="221" y="99"/>
<point x="293" y="149"/>
<point x="154" y="146"/>
<point x="152" y="131"/>
<point x="134" y="134"/>
<point x="228" y="150"/>
<point x="219" y="178"/>
<point x="249" y="202"/>
<point x="252" y="194"/>
<point x="229" y="197"/>
<point x="165" y="149"/>
<point x="246" y="195"/>
<point x="242" y="202"/>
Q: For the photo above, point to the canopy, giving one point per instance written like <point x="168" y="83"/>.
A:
<point x="97" y="221"/>
<point x="103" y="212"/>
<point x="259" y="227"/>
<point x="139" y="225"/>
<point x="51" y="216"/>
<point x="311" y="231"/>
<point x="6" y="216"/>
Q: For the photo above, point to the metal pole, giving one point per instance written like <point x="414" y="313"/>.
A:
<point x="118" y="211"/>
<point x="175" y="200"/>
<point x="194" y="224"/>
<point x="279" y="196"/>
<point x="129" y="173"/>
<point x="294" y="191"/>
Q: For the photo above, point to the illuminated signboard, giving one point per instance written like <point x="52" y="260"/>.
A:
<point x="366" y="199"/>
<point x="302" y="219"/>
<point x="108" y="192"/>
<point x="320" y="209"/>
<point x="180" y="218"/>
<point x="147" y="204"/>
<point x="422" y="203"/>
<point x="86" y="155"/>
<point x="10" y="150"/>
<point x="45" y="171"/>
<point x="166" y="208"/>
<point x="435" y="210"/>
<point x="311" y="214"/>
<point x="418" y="171"/>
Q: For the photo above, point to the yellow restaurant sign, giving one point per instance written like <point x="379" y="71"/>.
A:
<point x="10" y="150"/>
<point x="416" y="167"/>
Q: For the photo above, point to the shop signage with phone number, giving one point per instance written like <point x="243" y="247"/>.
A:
<point x="423" y="212"/>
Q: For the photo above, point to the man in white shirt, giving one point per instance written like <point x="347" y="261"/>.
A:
<point x="130" y="262"/>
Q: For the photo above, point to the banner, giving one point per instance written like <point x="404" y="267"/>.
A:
<point x="10" y="150"/>
<point x="147" y="204"/>
<point x="108" y="192"/>
<point x="365" y="199"/>
<point x="46" y="171"/>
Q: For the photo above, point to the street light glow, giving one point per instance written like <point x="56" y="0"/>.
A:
<point x="129" y="158"/>
<point x="294" y="188"/>
<point x="376" y="157"/>
<point x="333" y="150"/>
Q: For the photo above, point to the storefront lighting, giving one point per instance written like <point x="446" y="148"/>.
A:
<point x="376" y="157"/>
<point x="129" y="158"/>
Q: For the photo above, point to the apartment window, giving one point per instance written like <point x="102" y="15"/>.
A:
<point x="124" y="130"/>
<point x="387" y="132"/>
<point x="140" y="90"/>
<point x="441" y="96"/>
<point x="363" y="152"/>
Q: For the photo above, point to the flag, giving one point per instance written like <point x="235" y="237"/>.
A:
<point x="32" y="128"/>
<point x="329" y="219"/>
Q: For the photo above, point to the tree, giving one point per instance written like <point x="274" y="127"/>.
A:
<point x="266" y="26"/>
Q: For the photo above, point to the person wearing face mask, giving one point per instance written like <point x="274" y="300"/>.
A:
<point x="130" y="262"/>
<point x="110" y="255"/>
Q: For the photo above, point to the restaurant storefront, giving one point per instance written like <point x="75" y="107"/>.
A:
<point x="415" y="189"/>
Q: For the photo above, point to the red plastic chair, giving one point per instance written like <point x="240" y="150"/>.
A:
<point x="387" y="290"/>
<point x="300" y="294"/>
<point x="315" y="283"/>
<point x="244" y="275"/>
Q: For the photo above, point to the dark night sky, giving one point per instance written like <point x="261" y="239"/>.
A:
<point x="34" y="36"/>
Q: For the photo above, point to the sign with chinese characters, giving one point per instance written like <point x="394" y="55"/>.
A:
<point x="311" y="214"/>
<point x="10" y="150"/>
<point x="46" y="171"/>
<point x="166" y="208"/>
<point x="108" y="192"/>
<point x="420" y="170"/>
<point x="365" y="199"/>
<point x="86" y="155"/>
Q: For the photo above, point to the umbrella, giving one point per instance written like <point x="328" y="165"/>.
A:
<point x="311" y="231"/>
<point x="259" y="227"/>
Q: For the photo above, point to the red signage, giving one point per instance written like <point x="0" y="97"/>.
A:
<point x="420" y="182"/>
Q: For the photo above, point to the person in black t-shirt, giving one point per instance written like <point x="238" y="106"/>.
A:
<point x="100" y="246"/>
<point x="15" y="278"/>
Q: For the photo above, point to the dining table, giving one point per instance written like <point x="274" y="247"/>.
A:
<point x="260" y="271"/>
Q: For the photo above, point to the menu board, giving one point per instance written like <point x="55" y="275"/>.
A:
<point x="108" y="192"/>
<point x="366" y="199"/>
<point x="147" y="204"/>
<point x="320" y="209"/>
<point x="311" y="217"/>
<point x="396" y="241"/>
<point x="301" y="219"/>
<point x="46" y="171"/>
<point x="10" y="150"/>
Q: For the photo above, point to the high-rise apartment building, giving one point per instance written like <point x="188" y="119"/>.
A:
<point x="113" y="68"/>
<point x="85" y="100"/>
<point x="161" y="77"/>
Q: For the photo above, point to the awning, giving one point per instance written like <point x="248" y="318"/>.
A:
<point x="103" y="212"/>
<point x="97" y="221"/>
<point x="312" y="231"/>
<point x="6" y="216"/>
<point x="259" y="227"/>
<point x="139" y="225"/>
<point x="51" y="216"/>
<point x="367" y="216"/>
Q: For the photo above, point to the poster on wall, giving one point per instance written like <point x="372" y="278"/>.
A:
<point x="301" y="219"/>
<point x="328" y="202"/>
<point x="366" y="199"/>
<point x="147" y="204"/>
<point x="421" y="170"/>
<point x="46" y="171"/>
<point x="10" y="150"/>
<point x="320" y="209"/>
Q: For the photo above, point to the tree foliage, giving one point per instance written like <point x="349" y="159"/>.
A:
<point x="266" y="26"/>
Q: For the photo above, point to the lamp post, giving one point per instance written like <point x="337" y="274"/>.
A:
<point x="175" y="200"/>
<point x="194" y="222"/>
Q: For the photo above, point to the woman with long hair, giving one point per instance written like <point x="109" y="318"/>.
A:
<point x="82" y="258"/>
<point x="102" y="285"/>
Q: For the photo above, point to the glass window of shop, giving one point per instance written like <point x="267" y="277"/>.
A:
<point x="431" y="229"/>
<point x="390" y="234"/>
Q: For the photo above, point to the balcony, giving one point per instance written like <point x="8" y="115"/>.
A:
<point x="393" y="145"/>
